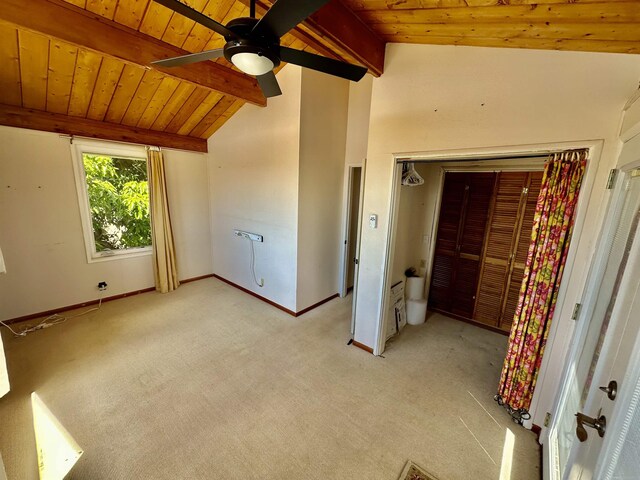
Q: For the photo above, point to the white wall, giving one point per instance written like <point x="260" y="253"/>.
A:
<point x="323" y="120"/>
<point x="41" y="234"/>
<point x="440" y="98"/>
<point x="253" y="178"/>
<point x="358" y="120"/>
<point x="410" y="227"/>
<point x="278" y="171"/>
<point x="416" y="214"/>
<point x="188" y="191"/>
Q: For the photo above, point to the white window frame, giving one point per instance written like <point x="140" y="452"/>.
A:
<point x="78" y="149"/>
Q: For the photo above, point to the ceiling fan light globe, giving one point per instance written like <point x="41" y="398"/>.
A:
<point x="252" y="63"/>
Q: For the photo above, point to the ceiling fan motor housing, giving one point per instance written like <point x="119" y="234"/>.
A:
<point x="244" y="42"/>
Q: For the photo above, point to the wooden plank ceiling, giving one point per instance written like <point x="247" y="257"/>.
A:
<point x="88" y="59"/>
<point x="70" y="60"/>
<point x="581" y="25"/>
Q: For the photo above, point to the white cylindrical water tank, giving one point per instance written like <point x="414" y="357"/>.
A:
<point x="415" y="288"/>
<point x="416" y="311"/>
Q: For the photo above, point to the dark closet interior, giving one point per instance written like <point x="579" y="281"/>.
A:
<point x="483" y="235"/>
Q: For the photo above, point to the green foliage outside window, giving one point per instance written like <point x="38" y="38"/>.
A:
<point x="119" y="201"/>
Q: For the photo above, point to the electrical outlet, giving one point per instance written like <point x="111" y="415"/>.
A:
<point x="254" y="237"/>
<point x="102" y="286"/>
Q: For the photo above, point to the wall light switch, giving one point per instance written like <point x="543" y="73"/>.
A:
<point x="373" y="220"/>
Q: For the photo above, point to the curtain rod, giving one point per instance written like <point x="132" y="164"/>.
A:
<point x="542" y="155"/>
<point x="477" y="159"/>
<point x="73" y="137"/>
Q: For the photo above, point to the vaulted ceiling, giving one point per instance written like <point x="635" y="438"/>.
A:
<point x="581" y="25"/>
<point x="83" y="66"/>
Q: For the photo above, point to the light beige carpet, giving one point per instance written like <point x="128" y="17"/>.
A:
<point x="209" y="383"/>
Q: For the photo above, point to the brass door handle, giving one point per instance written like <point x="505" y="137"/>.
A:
<point x="600" y="424"/>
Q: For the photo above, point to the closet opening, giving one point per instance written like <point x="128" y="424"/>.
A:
<point x="475" y="238"/>
<point x="461" y="239"/>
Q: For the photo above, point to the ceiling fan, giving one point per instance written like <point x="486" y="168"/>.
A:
<point x="253" y="45"/>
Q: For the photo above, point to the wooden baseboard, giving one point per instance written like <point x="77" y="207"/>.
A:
<point x="271" y="302"/>
<point x="253" y="294"/>
<point x="537" y="430"/>
<point x="194" y="279"/>
<point x="46" y="313"/>
<point x="470" y="321"/>
<point x="315" y="305"/>
<point x="362" y="346"/>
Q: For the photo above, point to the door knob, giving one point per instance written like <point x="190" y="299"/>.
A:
<point x="611" y="390"/>
<point x="600" y="424"/>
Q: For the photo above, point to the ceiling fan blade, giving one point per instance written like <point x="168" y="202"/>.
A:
<point x="286" y="14"/>
<point x="190" y="58"/>
<point x="196" y="16"/>
<point x="269" y="84"/>
<point x="322" y="64"/>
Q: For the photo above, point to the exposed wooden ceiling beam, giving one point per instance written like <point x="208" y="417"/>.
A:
<point x="335" y="28"/>
<point x="53" y="122"/>
<point x="299" y="34"/>
<point x="347" y="31"/>
<point x="63" y="21"/>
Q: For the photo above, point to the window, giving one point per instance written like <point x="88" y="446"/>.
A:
<point x="113" y="193"/>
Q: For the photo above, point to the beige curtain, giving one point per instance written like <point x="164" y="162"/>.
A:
<point x="164" y="256"/>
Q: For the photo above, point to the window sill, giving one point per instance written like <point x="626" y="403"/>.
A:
<point x="120" y="255"/>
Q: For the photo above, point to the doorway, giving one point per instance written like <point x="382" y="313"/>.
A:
<point x="352" y="224"/>
<point x="466" y="232"/>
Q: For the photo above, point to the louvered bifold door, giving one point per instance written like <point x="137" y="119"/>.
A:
<point x="499" y="243"/>
<point x="523" y="241"/>
<point x="444" y="260"/>
<point x="479" y="188"/>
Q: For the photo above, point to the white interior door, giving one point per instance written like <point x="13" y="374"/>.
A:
<point x="603" y="351"/>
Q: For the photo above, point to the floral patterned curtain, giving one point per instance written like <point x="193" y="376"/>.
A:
<point x="550" y="238"/>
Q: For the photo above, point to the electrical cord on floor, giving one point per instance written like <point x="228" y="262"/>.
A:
<point x="50" y="321"/>
<point x="253" y="266"/>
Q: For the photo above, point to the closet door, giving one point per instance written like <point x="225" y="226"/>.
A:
<point x="522" y="248"/>
<point x="499" y="241"/>
<point x="479" y="188"/>
<point x="506" y="246"/>
<point x="451" y="205"/>
<point x="461" y="225"/>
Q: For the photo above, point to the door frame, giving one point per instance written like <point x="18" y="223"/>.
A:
<point x="346" y="202"/>
<point x="587" y="304"/>
<point x="346" y="222"/>
<point x="488" y="153"/>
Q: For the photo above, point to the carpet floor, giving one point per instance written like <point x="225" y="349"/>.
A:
<point x="210" y="383"/>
